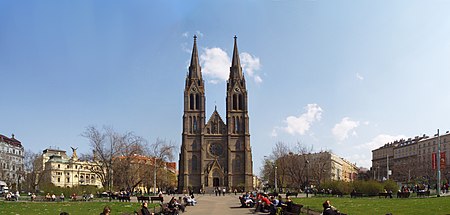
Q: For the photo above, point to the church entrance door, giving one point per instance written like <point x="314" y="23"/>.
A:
<point x="216" y="182"/>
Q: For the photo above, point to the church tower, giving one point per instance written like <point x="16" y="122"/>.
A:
<point x="215" y="154"/>
<point x="240" y="156"/>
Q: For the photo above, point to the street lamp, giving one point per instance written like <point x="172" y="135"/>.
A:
<point x="307" y="177"/>
<point x="276" y="187"/>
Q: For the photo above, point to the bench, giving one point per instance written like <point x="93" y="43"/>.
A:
<point x="156" y="198"/>
<point x="385" y="195"/>
<point x="296" y="209"/>
<point x="403" y="194"/>
<point x="337" y="193"/>
<point x="291" y="194"/>
<point x="143" y="198"/>
<point x="355" y="194"/>
<point x="423" y="193"/>
<point x="124" y="198"/>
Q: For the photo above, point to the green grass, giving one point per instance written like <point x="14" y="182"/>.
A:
<point x="381" y="206"/>
<point x="73" y="208"/>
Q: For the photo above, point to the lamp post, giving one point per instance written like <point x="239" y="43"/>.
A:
<point x="307" y="177"/>
<point x="154" y="175"/>
<point x="276" y="186"/>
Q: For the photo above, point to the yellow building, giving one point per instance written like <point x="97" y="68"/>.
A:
<point x="64" y="171"/>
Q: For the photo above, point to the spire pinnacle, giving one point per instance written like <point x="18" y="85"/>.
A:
<point x="194" y="68"/>
<point x="235" y="69"/>
<point x="235" y="61"/>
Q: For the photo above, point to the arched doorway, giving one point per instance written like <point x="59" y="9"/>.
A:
<point x="216" y="182"/>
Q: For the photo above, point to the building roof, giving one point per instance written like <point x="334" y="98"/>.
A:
<point x="11" y="141"/>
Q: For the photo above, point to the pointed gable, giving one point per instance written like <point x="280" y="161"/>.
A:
<point x="215" y="124"/>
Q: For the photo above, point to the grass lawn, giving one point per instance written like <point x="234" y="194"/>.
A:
<point x="381" y="206"/>
<point x="73" y="208"/>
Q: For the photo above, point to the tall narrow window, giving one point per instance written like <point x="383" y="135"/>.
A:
<point x="194" y="163"/>
<point x="191" y="101"/>
<point x="238" y="164"/>
<point x="236" y="125"/>
<point x="195" y="125"/>
<point x="197" y="102"/>
<point x="241" y="102"/>
<point x="234" y="102"/>
<point x="190" y="124"/>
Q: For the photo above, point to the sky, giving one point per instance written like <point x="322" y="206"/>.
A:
<point x="345" y="76"/>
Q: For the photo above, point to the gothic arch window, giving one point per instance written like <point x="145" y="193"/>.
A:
<point x="194" y="125"/>
<point x="241" y="102"/>
<point x="194" y="145"/>
<point x="190" y="123"/>
<point x="237" y="163"/>
<point x="234" y="102"/>
<point x="194" y="163"/>
<point x="191" y="101"/>
<point x="238" y="145"/>
<point x="236" y="125"/>
<point x="197" y="101"/>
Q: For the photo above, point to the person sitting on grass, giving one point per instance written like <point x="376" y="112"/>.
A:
<point x="328" y="209"/>
<point x="106" y="211"/>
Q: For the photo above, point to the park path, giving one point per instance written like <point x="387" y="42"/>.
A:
<point x="223" y="205"/>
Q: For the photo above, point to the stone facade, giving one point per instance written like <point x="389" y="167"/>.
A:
<point x="11" y="160"/>
<point x="216" y="153"/>
<point x="411" y="158"/>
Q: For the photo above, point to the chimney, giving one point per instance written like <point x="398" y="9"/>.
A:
<point x="12" y="136"/>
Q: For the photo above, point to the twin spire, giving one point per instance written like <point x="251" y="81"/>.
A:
<point x="195" y="69"/>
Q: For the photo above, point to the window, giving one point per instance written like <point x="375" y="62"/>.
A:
<point x="194" y="163"/>
<point x="197" y="102"/>
<point x="191" y="101"/>
<point x="235" y="102"/>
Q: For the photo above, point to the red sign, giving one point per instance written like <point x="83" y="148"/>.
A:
<point x="434" y="160"/>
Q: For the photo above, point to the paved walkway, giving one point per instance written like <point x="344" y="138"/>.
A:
<point x="223" y="205"/>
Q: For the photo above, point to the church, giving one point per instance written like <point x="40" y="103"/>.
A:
<point x="215" y="153"/>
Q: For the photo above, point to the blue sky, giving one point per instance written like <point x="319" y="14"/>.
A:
<point x="346" y="76"/>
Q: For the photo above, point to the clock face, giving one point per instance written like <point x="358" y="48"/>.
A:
<point x="194" y="89"/>
<point x="216" y="149"/>
<point x="237" y="89"/>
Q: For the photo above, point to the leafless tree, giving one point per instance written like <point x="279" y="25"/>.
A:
<point x="34" y="171"/>
<point x="162" y="151"/>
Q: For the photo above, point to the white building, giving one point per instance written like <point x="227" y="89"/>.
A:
<point x="11" y="160"/>
<point x="64" y="171"/>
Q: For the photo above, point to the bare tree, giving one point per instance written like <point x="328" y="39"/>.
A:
<point x="34" y="171"/>
<point x="162" y="152"/>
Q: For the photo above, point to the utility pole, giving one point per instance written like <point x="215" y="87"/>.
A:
<point x="154" y="175"/>
<point x="276" y="186"/>
<point x="438" y="165"/>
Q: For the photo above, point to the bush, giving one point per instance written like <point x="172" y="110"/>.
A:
<point x="370" y="188"/>
<point x="79" y="190"/>
<point x="390" y="185"/>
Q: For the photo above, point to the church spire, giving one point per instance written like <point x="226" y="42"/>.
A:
<point x="235" y="70"/>
<point x="194" y="68"/>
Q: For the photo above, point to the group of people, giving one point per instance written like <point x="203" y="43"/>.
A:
<point x="275" y="204"/>
<point x="12" y="197"/>
<point x="220" y="191"/>
<point x="49" y="197"/>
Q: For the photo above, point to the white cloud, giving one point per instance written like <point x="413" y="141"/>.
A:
<point x="361" y="160"/>
<point x="215" y="64"/>
<point x="379" y="141"/>
<point x="359" y="77"/>
<point x="343" y="128"/>
<point x="274" y="132"/>
<point x="185" y="34"/>
<point x="250" y="64"/>
<point x="198" y="33"/>
<point x="301" y="124"/>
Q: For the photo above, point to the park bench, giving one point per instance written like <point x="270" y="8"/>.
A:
<point x="143" y="198"/>
<point x="156" y="198"/>
<point x="403" y="194"/>
<point x="385" y="195"/>
<point x="296" y="209"/>
<point x="423" y="193"/>
<point x="337" y="193"/>
<point x="124" y="198"/>
<point x="292" y="194"/>
<point x="355" y="194"/>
